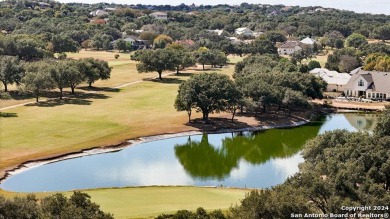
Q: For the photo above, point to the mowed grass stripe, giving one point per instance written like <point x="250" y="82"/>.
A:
<point x="151" y="201"/>
<point x="148" y="202"/>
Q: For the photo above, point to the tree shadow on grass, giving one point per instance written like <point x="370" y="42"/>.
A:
<point x="7" y="115"/>
<point x="216" y="124"/>
<point x="58" y="102"/>
<point x="20" y="95"/>
<point x="166" y="80"/>
<point x="90" y="96"/>
<point x="185" y="74"/>
<point x="75" y="99"/>
<point x="105" y="89"/>
<point x="207" y="70"/>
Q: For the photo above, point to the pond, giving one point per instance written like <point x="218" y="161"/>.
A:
<point x="246" y="159"/>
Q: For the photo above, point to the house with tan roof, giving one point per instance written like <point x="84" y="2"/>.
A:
<point x="159" y="15"/>
<point x="369" y="85"/>
<point x="290" y="47"/>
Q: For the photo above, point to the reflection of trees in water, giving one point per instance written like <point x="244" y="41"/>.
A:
<point x="201" y="159"/>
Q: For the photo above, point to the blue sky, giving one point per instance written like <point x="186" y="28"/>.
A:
<point x="368" y="6"/>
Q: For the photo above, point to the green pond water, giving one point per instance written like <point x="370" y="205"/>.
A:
<point x="243" y="159"/>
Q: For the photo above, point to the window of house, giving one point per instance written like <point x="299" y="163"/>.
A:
<point x="361" y="83"/>
<point x="369" y="95"/>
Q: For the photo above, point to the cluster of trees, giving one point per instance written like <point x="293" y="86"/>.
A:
<point x="68" y="27"/>
<point x="39" y="76"/>
<point x="266" y="81"/>
<point x="344" y="60"/>
<point x="79" y="205"/>
<point x="260" y="82"/>
<point x="207" y="93"/>
<point x="176" y="57"/>
<point x="351" y="51"/>
<point x="199" y="214"/>
<point x="377" y="62"/>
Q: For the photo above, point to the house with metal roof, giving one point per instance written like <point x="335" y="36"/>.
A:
<point x="336" y="81"/>
<point x="308" y="41"/>
<point x="244" y="31"/>
<point x="98" y="13"/>
<point x="369" y="85"/>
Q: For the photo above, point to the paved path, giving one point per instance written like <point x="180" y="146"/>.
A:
<point x="117" y="87"/>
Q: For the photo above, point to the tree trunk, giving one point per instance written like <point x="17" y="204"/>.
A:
<point x="189" y="115"/>
<point x="159" y="75"/>
<point x="233" y="114"/>
<point x="205" y="116"/>
<point x="177" y="70"/>
<point x="72" y="88"/>
<point x="203" y="66"/>
<point x="5" y="87"/>
<point x="90" y="84"/>
<point x="264" y="109"/>
<point x="60" y="93"/>
<point x="37" y="98"/>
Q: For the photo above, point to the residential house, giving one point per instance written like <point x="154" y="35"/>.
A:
<point x="336" y="81"/>
<point x="159" y="15"/>
<point x="44" y="5"/>
<point x="356" y="70"/>
<point x="369" y="85"/>
<point x="217" y="31"/>
<point x="135" y="42"/>
<point x="321" y="10"/>
<point x="235" y="40"/>
<point x="98" y="13"/>
<point x="286" y="8"/>
<point x="273" y="13"/>
<point x="185" y="43"/>
<point x="308" y="41"/>
<point x="244" y="31"/>
<point x="290" y="47"/>
<point x="110" y="9"/>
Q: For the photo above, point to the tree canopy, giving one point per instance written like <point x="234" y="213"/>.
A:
<point x="207" y="93"/>
<point x="158" y="60"/>
<point x="79" y="205"/>
<point x="11" y="71"/>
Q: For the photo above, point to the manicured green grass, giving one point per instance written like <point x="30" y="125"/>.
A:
<point x="147" y="202"/>
<point x="152" y="201"/>
<point x="322" y="59"/>
<point x="233" y="59"/>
